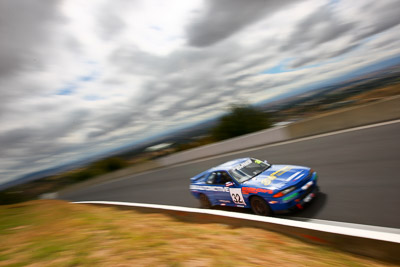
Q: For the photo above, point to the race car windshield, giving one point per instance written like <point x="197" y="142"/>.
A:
<point x="248" y="169"/>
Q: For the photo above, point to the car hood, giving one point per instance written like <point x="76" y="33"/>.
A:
<point x="278" y="177"/>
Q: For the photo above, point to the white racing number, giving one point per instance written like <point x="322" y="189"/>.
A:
<point x="236" y="195"/>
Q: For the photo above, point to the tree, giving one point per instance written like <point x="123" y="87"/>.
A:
<point x="98" y="168"/>
<point x="242" y="119"/>
<point x="109" y="164"/>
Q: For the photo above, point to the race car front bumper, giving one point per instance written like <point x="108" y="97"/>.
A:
<point x="298" y="198"/>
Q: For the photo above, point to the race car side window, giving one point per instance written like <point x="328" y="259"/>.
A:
<point x="225" y="178"/>
<point x="211" y="178"/>
<point x="219" y="178"/>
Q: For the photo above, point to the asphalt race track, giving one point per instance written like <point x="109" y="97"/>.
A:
<point x="359" y="177"/>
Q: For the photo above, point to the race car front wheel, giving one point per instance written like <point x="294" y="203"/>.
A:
<point x="259" y="206"/>
<point x="204" y="202"/>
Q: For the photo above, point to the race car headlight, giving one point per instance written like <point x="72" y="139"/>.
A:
<point x="285" y="191"/>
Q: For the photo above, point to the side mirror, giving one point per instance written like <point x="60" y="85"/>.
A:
<point x="266" y="162"/>
<point x="227" y="184"/>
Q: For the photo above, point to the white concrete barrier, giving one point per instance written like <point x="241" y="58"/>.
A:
<point x="376" y="242"/>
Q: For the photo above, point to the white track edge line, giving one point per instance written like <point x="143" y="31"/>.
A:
<point x="363" y="233"/>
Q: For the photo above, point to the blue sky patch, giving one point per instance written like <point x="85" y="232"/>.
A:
<point x="281" y="67"/>
<point x="92" y="97"/>
<point x="71" y="87"/>
<point x="88" y="78"/>
<point x="67" y="90"/>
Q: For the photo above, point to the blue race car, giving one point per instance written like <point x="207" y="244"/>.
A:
<point x="255" y="184"/>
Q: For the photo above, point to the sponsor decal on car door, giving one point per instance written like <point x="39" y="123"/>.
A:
<point x="236" y="195"/>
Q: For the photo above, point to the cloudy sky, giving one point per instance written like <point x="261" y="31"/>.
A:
<point x="81" y="77"/>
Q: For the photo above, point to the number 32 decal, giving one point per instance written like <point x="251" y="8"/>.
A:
<point x="236" y="195"/>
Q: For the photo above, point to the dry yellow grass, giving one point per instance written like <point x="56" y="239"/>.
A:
<point x="57" y="233"/>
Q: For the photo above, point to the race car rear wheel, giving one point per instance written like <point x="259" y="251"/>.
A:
<point x="204" y="202"/>
<point x="259" y="206"/>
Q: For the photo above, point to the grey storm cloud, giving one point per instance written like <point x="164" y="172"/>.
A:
<point x="325" y="25"/>
<point x="17" y="136"/>
<point x="319" y="27"/>
<point x="44" y="135"/>
<point x="111" y="25"/>
<point x="24" y="30"/>
<point x="113" y="121"/>
<point x="209" y="100"/>
<point x="109" y="19"/>
<point x="318" y="58"/>
<point x="385" y="15"/>
<point x="130" y="59"/>
<point x="224" y="18"/>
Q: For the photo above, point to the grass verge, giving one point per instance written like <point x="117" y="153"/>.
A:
<point x="57" y="233"/>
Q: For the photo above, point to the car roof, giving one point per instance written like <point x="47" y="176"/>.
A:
<point x="228" y="165"/>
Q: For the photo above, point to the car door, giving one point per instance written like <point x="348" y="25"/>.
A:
<point x="231" y="195"/>
<point x="214" y="188"/>
<point x="235" y="190"/>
